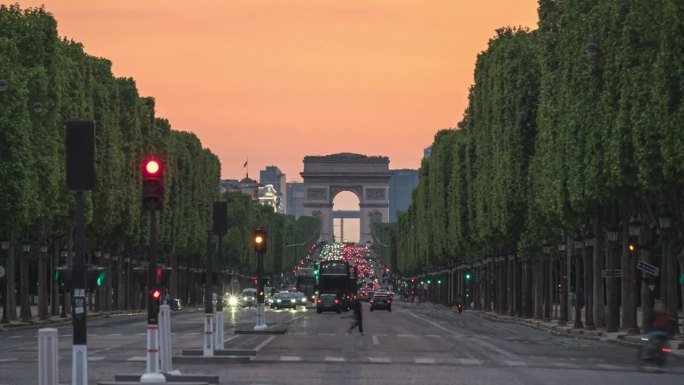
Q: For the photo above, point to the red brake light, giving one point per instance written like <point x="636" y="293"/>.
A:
<point x="337" y="301"/>
<point x="667" y="350"/>
<point x="319" y="301"/>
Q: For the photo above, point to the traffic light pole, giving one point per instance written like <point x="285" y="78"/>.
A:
<point x="79" y="368"/>
<point x="152" y="372"/>
<point x="208" y="308"/>
<point x="260" y="315"/>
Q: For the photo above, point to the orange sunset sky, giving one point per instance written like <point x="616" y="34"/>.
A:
<point x="274" y="80"/>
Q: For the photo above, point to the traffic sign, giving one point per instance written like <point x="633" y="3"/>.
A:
<point x="606" y="273"/>
<point x="648" y="268"/>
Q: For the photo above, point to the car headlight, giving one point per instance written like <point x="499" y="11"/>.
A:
<point x="244" y="298"/>
<point x="293" y="300"/>
<point x="232" y="301"/>
<point x="278" y="300"/>
<point x="303" y="300"/>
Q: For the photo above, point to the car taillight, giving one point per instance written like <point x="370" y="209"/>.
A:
<point x="337" y="301"/>
<point x="319" y="301"/>
<point x="372" y="301"/>
<point x="667" y="350"/>
<point x="389" y="301"/>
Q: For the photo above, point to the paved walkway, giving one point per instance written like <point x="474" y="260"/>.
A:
<point x="552" y="326"/>
<point x="57" y="320"/>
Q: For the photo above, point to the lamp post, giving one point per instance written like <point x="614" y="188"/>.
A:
<point x="564" y="283"/>
<point x="613" y="325"/>
<point x="629" y="278"/>
<point x="64" y="253"/>
<point x="5" y="245"/>
<point x="578" y="244"/>
<point x="669" y="279"/>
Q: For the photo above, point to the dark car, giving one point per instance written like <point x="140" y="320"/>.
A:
<point x="174" y="303"/>
<point x="285" y="300"/>
<point x="328" y="302"/>
<point x="381" y="301"/>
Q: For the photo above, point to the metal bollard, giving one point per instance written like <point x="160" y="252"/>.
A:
<point x="218" y="345"/>
<point x="165" y="338"/>
<point x="48" y="364"/>
<point x="208" y="335"/>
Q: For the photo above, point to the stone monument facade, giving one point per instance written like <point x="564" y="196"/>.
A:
<point x="366" y="176"/>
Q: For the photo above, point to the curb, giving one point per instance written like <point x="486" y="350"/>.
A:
<point x="64" y="321"/>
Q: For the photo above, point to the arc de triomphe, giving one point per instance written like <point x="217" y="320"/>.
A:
<point x="366" y="176"/>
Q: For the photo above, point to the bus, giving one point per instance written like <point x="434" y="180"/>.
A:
<point x="306" y="283"/>
<point x="336" y="276"/>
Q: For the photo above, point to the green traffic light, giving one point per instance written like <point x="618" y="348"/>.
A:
<point x="101" y="278"/>
<point x="439" y="281"/>
<point x="422" y="282"/>
<point x="467" y="275"/>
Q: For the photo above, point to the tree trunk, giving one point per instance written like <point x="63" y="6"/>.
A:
<point x="588" y="287"/>
<point x="25" y="312"/>
<point x="11" y="283"/>
<point x="42" y="287"/>
<point x="598" y="266"/>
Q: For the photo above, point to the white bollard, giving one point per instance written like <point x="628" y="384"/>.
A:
<point x="165" y="338"/>
<point x="260" y="317"/>
<point x="152" y="373"/>
<point x="208" y="335"/>
<point x="48" y="369"/>
<point x="218" y="345"/>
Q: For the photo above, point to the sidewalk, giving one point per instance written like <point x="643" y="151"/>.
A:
<point x="552" y="326"/>
<point x="36" y="323"/>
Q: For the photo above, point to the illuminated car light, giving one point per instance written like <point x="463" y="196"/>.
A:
<point x="319" y="301"/>
<point x="232" y="301"/>
<point x="279" y="300"/>
<point x="293" y="300"/>
<point x="667" y="350"/>
<point x="304" y="300"/>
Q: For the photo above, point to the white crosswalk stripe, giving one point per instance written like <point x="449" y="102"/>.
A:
<point x="470" y="361"/>
<point x="513" y="363"/>
<point x="334" y="359"/>
<point x="138" y="358"/>
<point x="95" y="358"/>
<point x="425" y="361"/>
<point x="384" y="360"/>
<point x="290" y="358"/>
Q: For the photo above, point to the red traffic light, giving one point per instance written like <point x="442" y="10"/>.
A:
<point x="156" y="294"/>
<point x="152" y="167"/>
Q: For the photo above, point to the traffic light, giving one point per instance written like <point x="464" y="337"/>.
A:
<point x="259" y="240"/>
<point x="153" y="184"/>
<point x="95" y="276"/>
<point x="156" y="293"/>
<point x="467" y="276"/>
<point x="163" y="275"/>
<point x="429" y="282"/>
<point x="63" y="275"/>
<point x="439" y="281"/>
<point x="633" y="245"/>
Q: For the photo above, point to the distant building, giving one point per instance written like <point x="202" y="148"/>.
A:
<point x="273" y="176"/>
<point x="250" y="187"/>
<point x="401" y="185"/>
<point x="295" y="199"/>
<point x="229" y="185"/>
<point x="427" y="151"/>
<point x="268" y="197"/>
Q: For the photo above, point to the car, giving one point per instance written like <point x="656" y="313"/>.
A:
<point x="272" y="300"/>
<point x="174" y="303"/>
<point x="381" y="301"/>
<point x="301" y="298"/>
<point x="285" y="300"/>
<point x="249" y="297"/>
<point x="328" y="302"/>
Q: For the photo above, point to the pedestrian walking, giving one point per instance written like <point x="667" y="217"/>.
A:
<point x="358" y="317"/>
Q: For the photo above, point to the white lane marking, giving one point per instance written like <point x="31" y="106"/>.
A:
<point x="66" y="335"/>
<point x="138" y="358"/>
<point x="385" y="360"/>
<point x="513" y="363"/>
<point x="115" y="334"/>
<point x="607" y="366"/>
<point x="193" y="334"/>
<point x="290" y="358"/>
<point x="140" y="334"/>
<point x="375" y="340"/>
<point x="7" y="359"/>
<point x="13" y="337"/>
<point x="425" y="360"/>
<point x="405" y="335"/>
<point x="334" y="359"/>
<point x="382" y="335"/>
<point x="298" y="333"/>
<point x="261" y="345"/>
<point x="563" y="365"/>
<point x="327" y="334"/>
<point x="227" y="339"/>
<point x="470" y="361"/>
<point x="97" y="358"/>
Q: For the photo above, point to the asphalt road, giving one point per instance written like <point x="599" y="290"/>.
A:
<point x="414" y="344"/>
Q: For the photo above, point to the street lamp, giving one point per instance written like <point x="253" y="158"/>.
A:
<point x="564" y="286"/>
<point x="613" y="325"/>
<point x="546" y="247"/>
